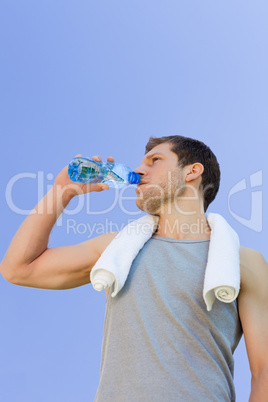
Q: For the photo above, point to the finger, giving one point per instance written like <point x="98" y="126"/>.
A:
<point x="110" y="159"/>
<point x="97" y="158"/>
<point x="102" y="186"/>
<point x="78" y="155"/>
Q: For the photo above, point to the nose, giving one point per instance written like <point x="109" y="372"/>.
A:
<point x="141" y="170"/>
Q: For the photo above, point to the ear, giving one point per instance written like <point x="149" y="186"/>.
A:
<point x="194" y="171"/>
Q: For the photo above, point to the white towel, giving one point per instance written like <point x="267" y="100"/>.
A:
<point x="222" y="275"/>
<point x="114" y="264"/>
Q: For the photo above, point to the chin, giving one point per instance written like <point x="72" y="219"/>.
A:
<point x="149" y="208"/>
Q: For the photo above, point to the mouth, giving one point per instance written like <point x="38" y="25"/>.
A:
<point x="141" y="184"/>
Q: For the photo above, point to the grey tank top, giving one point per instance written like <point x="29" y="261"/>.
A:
<point x="160" y="344"/>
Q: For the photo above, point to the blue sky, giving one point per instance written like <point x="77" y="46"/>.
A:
<point x="101" y="78"/>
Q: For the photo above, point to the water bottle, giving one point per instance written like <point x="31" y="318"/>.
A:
<point x="84" y="170"/>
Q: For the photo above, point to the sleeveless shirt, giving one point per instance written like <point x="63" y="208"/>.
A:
<point x="160" y="344"/>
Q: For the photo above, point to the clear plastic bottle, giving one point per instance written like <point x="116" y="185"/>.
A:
<point x="86" y="170"/>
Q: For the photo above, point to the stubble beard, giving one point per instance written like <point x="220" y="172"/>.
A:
<point x="154" y="198"/>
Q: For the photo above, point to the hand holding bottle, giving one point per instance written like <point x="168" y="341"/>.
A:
<point x="72" y="188"/>
<point x="86" y="170"/>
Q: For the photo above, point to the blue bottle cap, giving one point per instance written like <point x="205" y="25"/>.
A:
<point x="134" y="178"/>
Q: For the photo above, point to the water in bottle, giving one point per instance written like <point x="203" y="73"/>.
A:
<point x="86" y="170"/>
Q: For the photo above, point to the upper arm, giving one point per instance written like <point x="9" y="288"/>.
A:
<point x="253" y="308"/>
<point x="63" y="267"/>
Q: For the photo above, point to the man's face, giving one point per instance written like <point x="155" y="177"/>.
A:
<point x="161" y="180"/>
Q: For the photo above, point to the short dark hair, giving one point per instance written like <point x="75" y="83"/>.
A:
<point x="190" y="151"/>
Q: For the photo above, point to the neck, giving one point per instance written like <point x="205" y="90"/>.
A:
<point x="187" y="225"/>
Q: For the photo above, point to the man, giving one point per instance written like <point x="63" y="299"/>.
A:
<point x="160" y="343"/>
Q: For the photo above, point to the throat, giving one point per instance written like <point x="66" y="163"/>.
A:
<point x="187" y="229"/>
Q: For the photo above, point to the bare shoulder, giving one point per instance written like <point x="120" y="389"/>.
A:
<point x="253" y="307"/>
<point x="253" y="267"/>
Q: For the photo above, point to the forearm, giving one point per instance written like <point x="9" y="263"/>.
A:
<point x="259" y="388"/>
<point x="32" y="237"/>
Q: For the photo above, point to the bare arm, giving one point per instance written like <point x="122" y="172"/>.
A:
<point x="253" y="310"/>
<point x="29" y="261"/>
